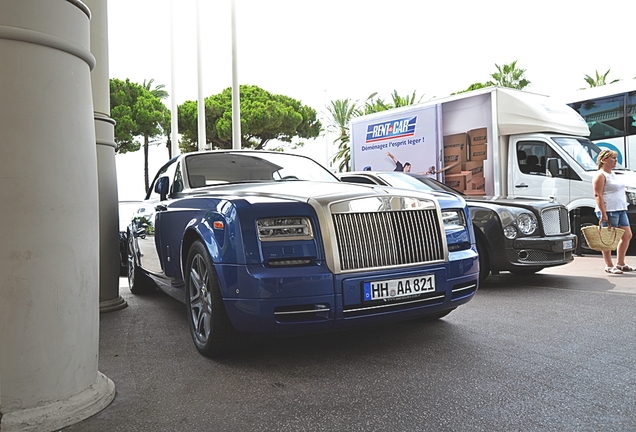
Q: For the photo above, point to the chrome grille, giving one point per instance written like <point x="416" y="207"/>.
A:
<point x="388" y="238"/>
<point x="555" y="221"/>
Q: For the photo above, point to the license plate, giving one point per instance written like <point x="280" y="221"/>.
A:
<point x="568" y="244"/>
<point x="398" y="288"/>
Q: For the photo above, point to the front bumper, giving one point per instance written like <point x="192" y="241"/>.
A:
<point x="288" y="301"/>
<point x="540" y="251"/>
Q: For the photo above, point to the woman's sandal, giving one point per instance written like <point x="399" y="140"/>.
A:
<point x="625" y="267"/>
<point x="613" y="270"/>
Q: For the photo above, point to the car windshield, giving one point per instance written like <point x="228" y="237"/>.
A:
<point x="404" y="181"/>
<point x="211" y="168"/>
<point x="580" y="153"/>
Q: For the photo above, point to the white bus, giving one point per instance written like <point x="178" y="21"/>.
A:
<point x="610" y="113"/>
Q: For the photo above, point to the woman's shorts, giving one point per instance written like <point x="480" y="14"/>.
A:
<point x="616" y="218"/>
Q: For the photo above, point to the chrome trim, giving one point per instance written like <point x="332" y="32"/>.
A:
<point x="303" y="311"/>
<point x="555" y="221"/>
<point x="363" y="209"/>
<point x="473" y="286"/>
<point x="397" y="303"/>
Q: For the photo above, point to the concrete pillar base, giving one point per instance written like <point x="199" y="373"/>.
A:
<point x="112" y="305"/>
<point x="59" y="414"/>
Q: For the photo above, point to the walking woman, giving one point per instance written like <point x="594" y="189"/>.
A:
<point x="611" y="207"/>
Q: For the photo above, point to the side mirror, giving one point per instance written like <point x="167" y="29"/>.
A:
<point x="162" y="186"/>
<point x="554" y="169"/>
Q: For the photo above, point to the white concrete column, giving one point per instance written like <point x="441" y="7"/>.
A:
<point x="109" y="298"/>
<point x="49" y="253"/>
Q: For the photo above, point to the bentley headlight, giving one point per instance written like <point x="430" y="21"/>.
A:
<point x="510" y="232"/>
<point x="631" y="196"/>
<point x="527" y="223"/>
<point x="453" y="219"/>
<point x="284" y="228"/>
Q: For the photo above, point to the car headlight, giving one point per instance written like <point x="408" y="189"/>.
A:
<point x="453" y="219"/>
<point x="510" y="232"/>
<point x="527" y="223"/>
<point x="631" y="196"/>
<point x="284" y="228"/>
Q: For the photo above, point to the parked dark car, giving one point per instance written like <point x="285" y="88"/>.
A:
<point x="518" y="235"/>
<point x="125" y="209"/>
<point x="268" y="242"/>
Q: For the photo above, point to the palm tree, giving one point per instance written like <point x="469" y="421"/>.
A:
<point x="399" y="101"/>
<point x="599" y="81"/>
<point x="342" y="111"/>
<point x="161" y="94"/>
<point x="158" y="91"/>
<point x="510" y="76"/>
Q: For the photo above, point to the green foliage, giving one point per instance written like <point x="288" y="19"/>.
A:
<point x="264" y="117"/>
<point x="158" y="91"/>
<point x="509" y="75"/>
<point x="341" y="112"/>
<point x="600" y="80"/>
<point x="138" y="115"/>
<point x="474" y="86"/>
<point x="399" y="101"/>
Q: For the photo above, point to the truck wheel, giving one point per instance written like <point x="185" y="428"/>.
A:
<point x="484" y="262"/>
<point x="210" y="327"/>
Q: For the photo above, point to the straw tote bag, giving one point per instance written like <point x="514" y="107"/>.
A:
<point x="602" y="238"/>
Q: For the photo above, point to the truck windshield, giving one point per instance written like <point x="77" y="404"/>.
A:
<point x="577" y="151"/>
<point x="593" y="150"/>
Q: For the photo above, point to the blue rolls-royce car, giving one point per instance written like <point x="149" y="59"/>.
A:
<point x="268" y="242"/>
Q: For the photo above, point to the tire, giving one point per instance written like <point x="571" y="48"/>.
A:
<point x="484" y="261"/>
<point x="138" y="282"/>
<point x="210" y="328"/>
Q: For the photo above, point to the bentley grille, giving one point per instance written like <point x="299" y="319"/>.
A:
<point x="555" y="221"/>
<point x="388" y="238"/>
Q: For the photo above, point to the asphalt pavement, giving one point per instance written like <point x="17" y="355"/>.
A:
<point x="551" y="351"/>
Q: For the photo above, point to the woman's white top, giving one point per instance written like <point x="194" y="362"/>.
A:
<point x="613" y="193"/>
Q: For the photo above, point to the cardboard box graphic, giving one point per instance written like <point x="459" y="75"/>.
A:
<point x="455" y="148"/>
<point x="478" y="153"/>
<point x="453" y="168"/>
<point x="460" y="181"/>
<point x="475" y="167"/>
<point x="478" y="183"/>
<point x="478" y="136"/>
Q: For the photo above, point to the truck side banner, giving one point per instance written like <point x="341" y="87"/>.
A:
<point x="393" y="141"/>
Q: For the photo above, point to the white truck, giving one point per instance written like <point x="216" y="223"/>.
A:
<point x="494" y="142"/>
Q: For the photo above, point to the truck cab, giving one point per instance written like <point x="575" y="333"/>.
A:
<point x="561" y="167"/>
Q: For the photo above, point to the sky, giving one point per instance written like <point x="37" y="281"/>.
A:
<point x="319" y="51"/>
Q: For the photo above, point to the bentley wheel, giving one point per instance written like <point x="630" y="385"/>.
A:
<point x="210" y="327"/>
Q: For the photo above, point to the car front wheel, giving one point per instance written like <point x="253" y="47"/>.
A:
<point x="210" y="327"/>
